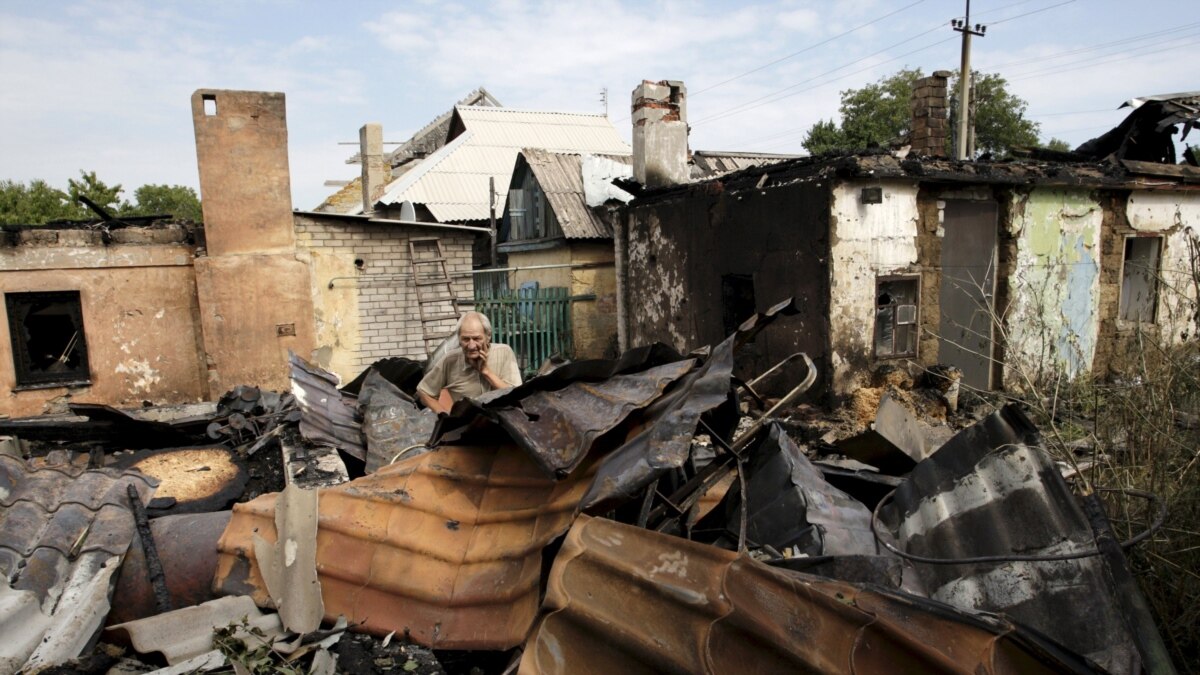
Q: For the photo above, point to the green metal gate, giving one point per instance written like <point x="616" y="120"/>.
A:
<point x="535" y="322"/>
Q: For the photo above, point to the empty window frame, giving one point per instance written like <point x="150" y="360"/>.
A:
<point x="737" y="300"/>
<point x="1139" y="279"/>
<point x="48" y="342"/>
<point x="896" y="328"/>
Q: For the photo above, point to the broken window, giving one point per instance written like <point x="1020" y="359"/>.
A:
<point x="47" y="338"/>
<point x="896" y="317"/>
<point x="1139" y="279"/>
<point x="737" y="300"/>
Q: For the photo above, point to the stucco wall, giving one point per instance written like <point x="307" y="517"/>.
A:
<point x="140" y="315"/>
<point x="1053" y="319"/>
<point x="593" y="322"/>
<point x="866" y="241"/>
<point x="370" y="313"/>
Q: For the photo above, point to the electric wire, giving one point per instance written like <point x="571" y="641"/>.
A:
<point x="1093" y="64"/>
<point x="1036" y="11"/>
<point x="806" y="49"/>
<point x="1104" y="45"/>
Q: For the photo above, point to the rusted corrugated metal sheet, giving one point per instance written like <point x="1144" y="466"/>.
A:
<point x="560" y="176"/>
<point x="992" y="491"/>
<point x="445" y="547"/>
<point x="63" y="532"/>
<point x="622" y="599"/>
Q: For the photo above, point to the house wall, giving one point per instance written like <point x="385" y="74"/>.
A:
<point x="371" y="313"/>
<point x="867" y="241"/>
<point x="140" y="315"/>
<point x="593" y="322"/>
<point x="1173" y="215"/>
<point x="679" y="248"/>
<point x="1052" y="321"/>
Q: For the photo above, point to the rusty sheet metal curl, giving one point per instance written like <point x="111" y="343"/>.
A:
<point x="445" y="547"/>
<point x="621" y="599"/>
<point x="993" y="491"/>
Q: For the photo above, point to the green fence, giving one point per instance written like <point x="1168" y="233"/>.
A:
<point x="535" y="322"/>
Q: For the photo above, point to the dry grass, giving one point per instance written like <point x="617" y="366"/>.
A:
<point x="1140" y="429"/>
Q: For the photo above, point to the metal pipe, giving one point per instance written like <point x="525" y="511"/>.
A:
<point x="405" y="275"/>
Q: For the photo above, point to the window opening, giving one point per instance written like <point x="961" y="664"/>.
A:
<point x="1139" y="279"/>
<point x="210" y="104"/>
<point x="48" y="341"/>
<point x="737" y="300"/>
<point x="896" y="330"/>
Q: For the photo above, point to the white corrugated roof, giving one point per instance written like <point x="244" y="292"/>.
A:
<point x="453" y="182"/>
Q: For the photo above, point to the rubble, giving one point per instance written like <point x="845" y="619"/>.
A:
<point x="607" y="515"/>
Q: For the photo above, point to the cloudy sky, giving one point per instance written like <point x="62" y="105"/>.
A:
<point x="104" y="85"/>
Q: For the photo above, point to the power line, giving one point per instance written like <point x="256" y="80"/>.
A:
<point x="1073" y="112"/>
<point x="806" y="49"/>
<point x="1093" y="64"/>
<point x="1036" y="11"/>
<point x="775" y="95"/>
<point x="1104" y="45"/>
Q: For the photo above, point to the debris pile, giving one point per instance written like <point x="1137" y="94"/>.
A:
<point x="648" y="513"/>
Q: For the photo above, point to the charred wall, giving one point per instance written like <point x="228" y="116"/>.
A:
<point x="696" y="257"/>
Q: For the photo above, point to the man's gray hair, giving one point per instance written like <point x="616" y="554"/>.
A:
<point x="481" y="317"/>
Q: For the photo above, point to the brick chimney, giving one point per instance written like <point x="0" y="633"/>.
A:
<point x="660" y="133"/>
<point x="374" y="166"/>
<point x="930" y="115"/>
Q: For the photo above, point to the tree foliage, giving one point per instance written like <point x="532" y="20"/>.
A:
<point x="1058" y="144"/>
<point x="38" y="203"/>
<point x="880" y="112"/>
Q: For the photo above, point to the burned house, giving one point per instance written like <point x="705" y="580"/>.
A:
<point x="1003" y="269"/>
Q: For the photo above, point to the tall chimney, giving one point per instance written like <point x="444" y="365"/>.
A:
<point x="930" y="115"/>
<point x="660" y="133"/>
<point x="374" y="168"/>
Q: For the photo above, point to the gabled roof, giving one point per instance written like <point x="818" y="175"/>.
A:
<point x="453" y="182"/>
<point x="433" y="135"/>
<point x="560" y="176"/>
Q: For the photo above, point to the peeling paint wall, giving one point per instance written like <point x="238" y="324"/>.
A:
<point x="681" y="245"/>
<point x="866" y="241"/>
<point x="140" y="315"/>
<point x="1176" y="217"/>
<point x="1053" y="319"/>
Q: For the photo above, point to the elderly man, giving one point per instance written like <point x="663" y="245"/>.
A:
<point x="478" y="366"/>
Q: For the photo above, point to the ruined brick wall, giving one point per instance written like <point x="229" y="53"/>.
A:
<point x="371" y="310"/>
<point x="930" y="115"/>
<point x="140" y="315"/>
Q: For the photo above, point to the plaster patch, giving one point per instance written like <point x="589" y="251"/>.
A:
<point x="143" y="376"/>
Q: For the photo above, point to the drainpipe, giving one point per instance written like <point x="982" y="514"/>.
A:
<point x="621" y="262"/>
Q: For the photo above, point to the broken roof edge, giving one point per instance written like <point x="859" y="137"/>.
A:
<point x="359" y="218"/>
<point x="882" y="165"/>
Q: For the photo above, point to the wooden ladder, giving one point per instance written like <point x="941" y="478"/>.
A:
<point x="435" y="295"/>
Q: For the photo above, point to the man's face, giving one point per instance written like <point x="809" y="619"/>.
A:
<point x="471" y="338"/>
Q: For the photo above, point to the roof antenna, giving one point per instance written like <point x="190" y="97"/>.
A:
<point x="604" y="99"/>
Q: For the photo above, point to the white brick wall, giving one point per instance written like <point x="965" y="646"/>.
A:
<point x="389" y="323"/>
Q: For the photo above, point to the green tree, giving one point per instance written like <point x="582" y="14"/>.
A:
<point x="825" y="136"/>
<point x="88" y="185"/>
<point x="35" y="203"/>
<point x="880" y="112"/>
<point x="175" y="200"/>
<point x="1057" y="144"/>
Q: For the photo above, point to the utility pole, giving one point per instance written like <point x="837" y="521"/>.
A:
<point x="492" y="218"/>
<point x="964" y="81"/>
